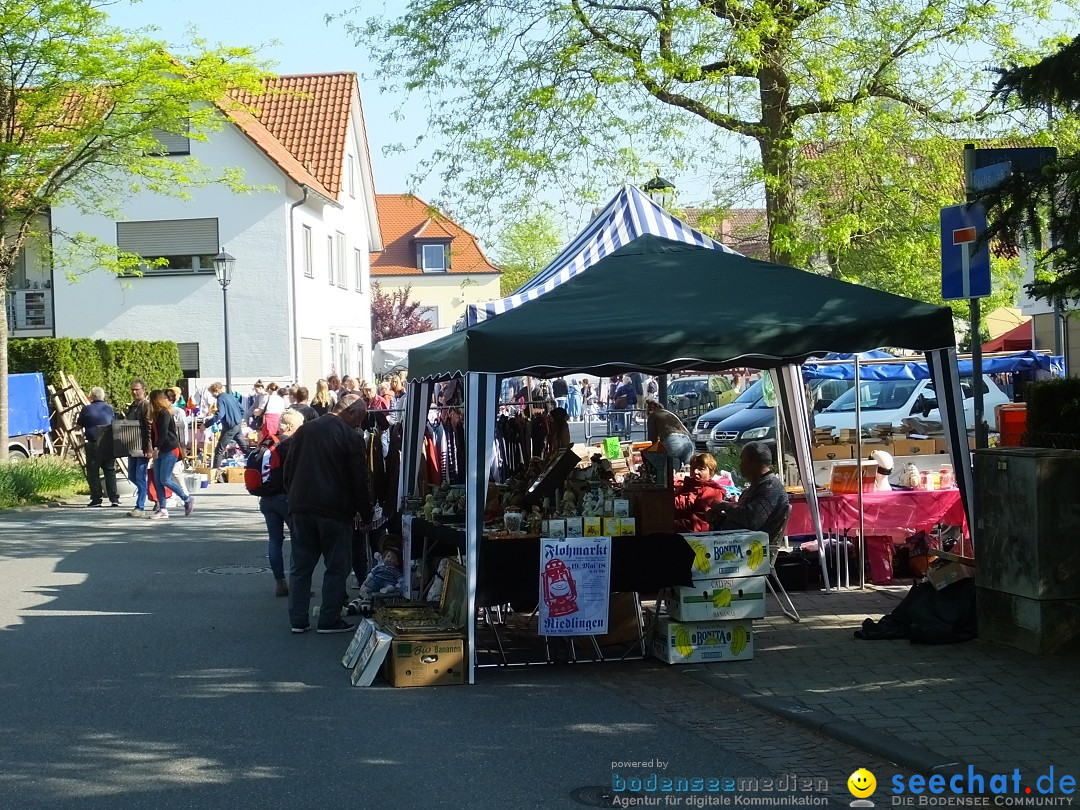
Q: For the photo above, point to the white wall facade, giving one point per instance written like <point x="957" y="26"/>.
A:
<point x="271" y="303"/>
<point x="338" y="312"/>
<point x="447" y="293"/>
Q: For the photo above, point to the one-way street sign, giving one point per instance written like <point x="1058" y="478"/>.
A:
<point x="965" y="270"/>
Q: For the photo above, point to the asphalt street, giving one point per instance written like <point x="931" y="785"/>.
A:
<point x="148" y="665"/>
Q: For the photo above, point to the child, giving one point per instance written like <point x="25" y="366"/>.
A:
<point x="384" y="578"/>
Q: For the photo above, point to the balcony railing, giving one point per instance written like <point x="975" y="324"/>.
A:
<point x="29" y="311"/>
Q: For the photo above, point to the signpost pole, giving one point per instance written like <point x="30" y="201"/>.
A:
<point x="976" y="314"/>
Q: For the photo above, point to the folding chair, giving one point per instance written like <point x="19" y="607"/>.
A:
<point x="776" y="529"/>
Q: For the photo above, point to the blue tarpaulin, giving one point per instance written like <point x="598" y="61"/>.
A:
<point x="28" y="411"/>
<point x="1022" y="361"/>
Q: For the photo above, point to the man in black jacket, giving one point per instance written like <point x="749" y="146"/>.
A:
<point x="96" y="421"/>
<point x="326" y="478"/>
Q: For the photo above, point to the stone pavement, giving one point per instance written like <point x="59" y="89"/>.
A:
<point x="921" y="706"/>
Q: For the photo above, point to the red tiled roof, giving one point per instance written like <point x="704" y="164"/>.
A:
<point x="743" y="229"/>
<point x="301" y="123"/>
<point x="403" y="218"/>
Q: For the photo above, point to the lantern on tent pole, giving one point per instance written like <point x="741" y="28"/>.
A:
<point x="660" y="190"/>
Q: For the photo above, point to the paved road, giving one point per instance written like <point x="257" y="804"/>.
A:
<point x="134" y="678"/>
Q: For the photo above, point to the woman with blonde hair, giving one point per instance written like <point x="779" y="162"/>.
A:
<point x="322" y="401"/>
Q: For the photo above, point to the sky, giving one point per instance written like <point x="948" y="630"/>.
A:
<point x="294" y="36"/>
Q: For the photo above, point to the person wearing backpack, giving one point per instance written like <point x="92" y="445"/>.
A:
<point x="264" y="477"/>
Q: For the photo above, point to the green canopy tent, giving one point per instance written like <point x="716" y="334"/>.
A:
<point x="657" y="305"/>
<point x="660" y="305"/>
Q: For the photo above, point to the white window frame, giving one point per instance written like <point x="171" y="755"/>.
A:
<point x="343" y="353"/>
<point x="360" y="362"/>
<point x="340" y="248"/>
<point x="333" y="354"/>
<point x="306" y="257"/>
<point x="330" y="262"/>
<point x="358" y="267"/>
<point x="423" y="258"/>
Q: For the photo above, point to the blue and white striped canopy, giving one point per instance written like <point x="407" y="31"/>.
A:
<point x="630" y="214"/>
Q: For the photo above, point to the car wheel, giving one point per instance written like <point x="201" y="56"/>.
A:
<point x="17" y="452"/>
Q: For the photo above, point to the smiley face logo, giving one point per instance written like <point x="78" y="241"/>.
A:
<point x="862" y="783"/>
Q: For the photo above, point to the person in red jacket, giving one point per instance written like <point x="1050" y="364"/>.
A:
<point x="697" y="495"/>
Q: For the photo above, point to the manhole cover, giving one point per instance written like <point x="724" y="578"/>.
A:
<point x="599" y="796"/>
<point x="234" y="569"/>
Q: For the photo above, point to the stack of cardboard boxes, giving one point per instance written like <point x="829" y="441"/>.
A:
<point x="712" y="620"/>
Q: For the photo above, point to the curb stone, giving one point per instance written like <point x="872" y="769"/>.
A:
<point x="872" y="741"/>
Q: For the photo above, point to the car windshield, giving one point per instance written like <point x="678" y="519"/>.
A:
<point x="751" y="394"/>
<point x="685" y="386"/>
<point x="874" y="395"/>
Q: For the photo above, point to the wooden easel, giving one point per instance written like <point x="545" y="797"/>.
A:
<point x="67" y="404"/>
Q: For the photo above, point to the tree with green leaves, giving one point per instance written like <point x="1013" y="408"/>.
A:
<point x="528" y="93"/>
<point x="1040" y="207"/>
<point x="525" y="248"/>
<point x="82" y="104"/>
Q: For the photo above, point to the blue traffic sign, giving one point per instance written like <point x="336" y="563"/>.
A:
<point x="965" y="264"/>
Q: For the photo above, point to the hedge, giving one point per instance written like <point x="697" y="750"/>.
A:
<point x="1053" y="412"/>
<point x="110" y="364"/>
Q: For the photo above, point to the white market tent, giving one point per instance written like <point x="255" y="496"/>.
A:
<point x="393" y="355"/>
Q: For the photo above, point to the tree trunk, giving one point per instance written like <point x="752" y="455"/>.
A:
<point x="3" y="369"/>
<point x="777" y="147"/>
<point x="777" y="163"/>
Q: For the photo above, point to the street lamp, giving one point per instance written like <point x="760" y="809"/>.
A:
<point x="660" y="190"/>
<point x="223" y="263"/>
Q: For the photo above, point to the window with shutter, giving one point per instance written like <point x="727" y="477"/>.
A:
<point x="173" y="143"/>
<point x="188" y="245"/>
<point x="189" y="358"/>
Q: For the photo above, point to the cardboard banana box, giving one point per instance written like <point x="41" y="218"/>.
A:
<point x="716" y="599"/>
<point x="729" y="554"/>
<point x="703" y="642"/>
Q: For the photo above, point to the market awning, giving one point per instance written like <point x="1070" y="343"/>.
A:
<point x="717" y="310"/>
<point x="629" y="215"/>
<point x="1016" y="339"/>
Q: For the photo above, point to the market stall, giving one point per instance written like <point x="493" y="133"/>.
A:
<point x="610" y="318"/>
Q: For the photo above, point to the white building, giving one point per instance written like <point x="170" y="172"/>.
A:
<point x="298" y="303"/>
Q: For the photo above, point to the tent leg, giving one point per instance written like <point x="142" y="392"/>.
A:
<point x="777" y="589"/>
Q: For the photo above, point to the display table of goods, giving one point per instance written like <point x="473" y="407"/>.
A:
<point x="711" y="620"/>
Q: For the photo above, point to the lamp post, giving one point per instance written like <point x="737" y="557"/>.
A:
<point x="223" y="263"/>
<point x="660" y="190"/>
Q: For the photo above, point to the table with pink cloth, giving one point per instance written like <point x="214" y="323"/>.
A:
<point x="896" y="512"/>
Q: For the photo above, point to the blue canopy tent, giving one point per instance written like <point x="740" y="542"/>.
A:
<point x="630" y="214"/>
<point x="868" y="370"/>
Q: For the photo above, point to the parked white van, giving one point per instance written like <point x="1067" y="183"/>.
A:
<point x="890" y="401"/>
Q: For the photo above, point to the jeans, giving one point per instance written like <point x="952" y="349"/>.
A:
<point x="679" y="446"/>
<point x="275" y="511"/>
<point x="561" y="402"/>
<point x="137" y="475"/>
<point x="229" y="435"/>
<point x="314" y="537"/>
<point x="164" y="465"/>
<point x="94" y="464"/>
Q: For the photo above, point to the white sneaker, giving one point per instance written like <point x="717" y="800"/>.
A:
<point x="161" y="514"/>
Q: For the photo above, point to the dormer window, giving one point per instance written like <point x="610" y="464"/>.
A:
<point x="433" y="257"/>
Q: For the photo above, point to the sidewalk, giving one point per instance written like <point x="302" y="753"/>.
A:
<point x="921" y="706"/>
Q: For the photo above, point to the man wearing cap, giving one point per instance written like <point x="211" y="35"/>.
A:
<point x="96" y="420"/>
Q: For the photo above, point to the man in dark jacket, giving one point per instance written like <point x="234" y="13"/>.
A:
<point x="139" y="410"/>
<point x="96" y="420"/>
<point x="327" y="482"/>
<point x="231" y="418"/>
